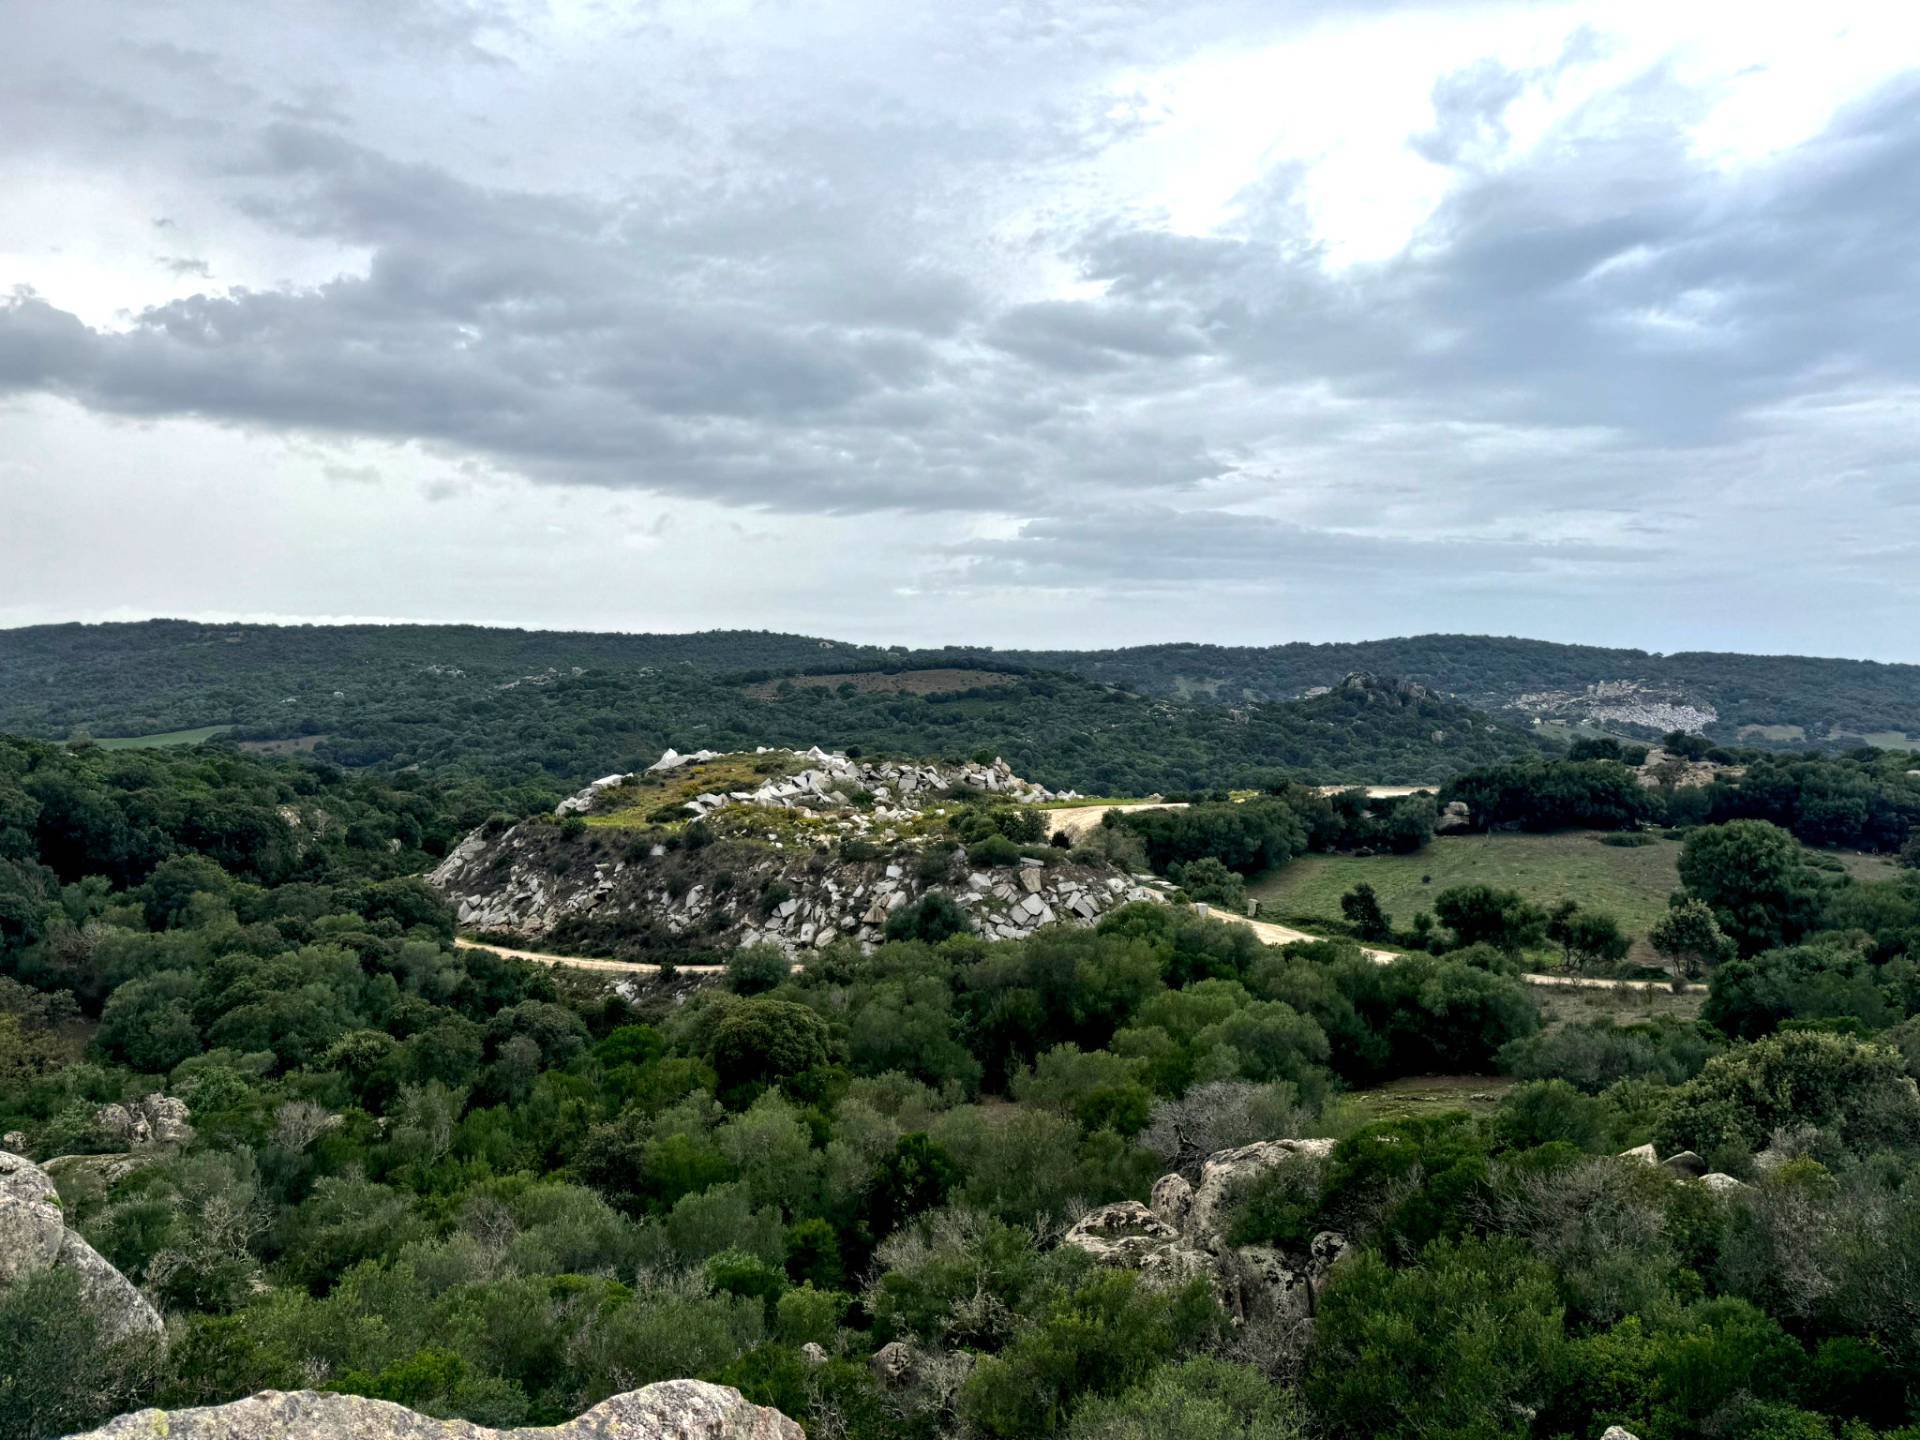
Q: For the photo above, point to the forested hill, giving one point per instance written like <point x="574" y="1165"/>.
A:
<point x="157" y="675"/>
<point x="463" y="701"/>
<point x="370" y="694"/>
<point x="1832" y="702"/>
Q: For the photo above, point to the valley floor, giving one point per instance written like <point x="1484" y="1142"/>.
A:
<point x="1631" y="883"/>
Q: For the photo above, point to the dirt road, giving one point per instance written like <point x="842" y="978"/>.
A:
<point x="575" y="962"/>
<point x="1269" y="933"/>
<point x="1076" y="820"/>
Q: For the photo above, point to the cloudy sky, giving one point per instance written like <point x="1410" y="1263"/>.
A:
<point x="1020" y="321"/>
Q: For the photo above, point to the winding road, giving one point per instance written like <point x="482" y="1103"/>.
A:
<point x="1268" y="933"/>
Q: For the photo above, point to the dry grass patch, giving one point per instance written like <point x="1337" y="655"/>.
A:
<point x="939" y="681"/>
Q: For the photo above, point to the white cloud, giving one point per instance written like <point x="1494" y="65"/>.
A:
<point x="1223" y="320"/>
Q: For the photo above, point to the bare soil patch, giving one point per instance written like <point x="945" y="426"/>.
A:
<point x="298" y="745"/>
<point x="942" y="681"/>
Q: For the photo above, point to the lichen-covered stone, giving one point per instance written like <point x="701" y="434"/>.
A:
<point x="1179" y="1237"/>
<point x="154" y="1119"/>
<point x="1226" y="1170"/>
<point x="671" y="1410"/>
<point x="34" y="1238"/>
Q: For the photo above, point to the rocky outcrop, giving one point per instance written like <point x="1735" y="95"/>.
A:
<point x="1180" y="1236"/>
<point x="530" y="882"/>
<point x="1383" y="689"/>
<point x="818" y="778"/>
<point x="581" y="801"/>
<point x="34" y="1238"/>
<point x="1640" y="704"/>
<point x="153" y="1120"/>
<point x="1684" y="1165"/>
<point x="794" y="872"/>
<point x="894" y="1364"/>
<point x="671" y="1410"/>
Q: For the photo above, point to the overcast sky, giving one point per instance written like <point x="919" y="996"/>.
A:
<point x="1080" y="322"/>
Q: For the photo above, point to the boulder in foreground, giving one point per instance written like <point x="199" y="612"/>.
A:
<point x="670" y="1410"/>
<point x="34" y="1237"/>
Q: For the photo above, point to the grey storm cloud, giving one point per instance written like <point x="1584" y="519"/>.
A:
<point x="872" y="269"/>
<point x="635" y="341"/>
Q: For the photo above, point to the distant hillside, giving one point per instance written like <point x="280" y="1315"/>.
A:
<point x="1749" y="699"/>
<point x="555" y="710"/>
<point x="163" y="675"/>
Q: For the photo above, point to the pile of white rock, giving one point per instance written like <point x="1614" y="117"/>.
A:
<point x="853" y="901"/>
<point x="830" y="780"/>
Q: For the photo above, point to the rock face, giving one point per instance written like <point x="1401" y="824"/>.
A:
<point x="671" y="1410"/>
<point x="787" y="879"/>
<point x="34" y="1238"/>
<point x="1178" y="1236"/>
<point x="528" y="882"/>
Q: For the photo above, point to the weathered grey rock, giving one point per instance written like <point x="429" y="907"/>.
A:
<point x="1720" y="1182"/>
<point x="14" y="1140"/>
<point x="1172" y="1199"/>
<point x="155" y="1119"/>
<point x="1124" y="1233"/>
<point x="1618" y="1432"/>
<point x="1224" y="1171"/>
<point x="670" y="1410"/>
<point x="895" y="1363"/>
<point x="34" y="1238"/>
<point x="1685" y="1163"/>
<point x="1327" y="1249"/>
<point x="1454" y="816"/>
<point x="1266" y="1285"/>
<point x="1177" y="1238"/>
<point x="1171" y="1265"/>
<point x="814" y="1353"/>
<point x="1643" y="1153"/>
<point x="30" y="1236"/>
<point x="22" y="1180"/>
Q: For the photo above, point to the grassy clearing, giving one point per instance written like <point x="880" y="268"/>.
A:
<point x="651" y="792"/>
<point x="1630" y="883"/>
<point x="1568" y="1004"/>
<point x="1892" y="739"/>
<point x="162" y="740"/>
<point x="300" y="745"/>
<point x="1478" y="1095"/>
<point x="938" y="681"/>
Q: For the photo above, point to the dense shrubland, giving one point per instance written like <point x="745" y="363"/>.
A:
<point x="462" y="1183"/>
<point x="166" y="675"/>
<point x="1860" y="800"/>
<point x="557" y="710"/>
